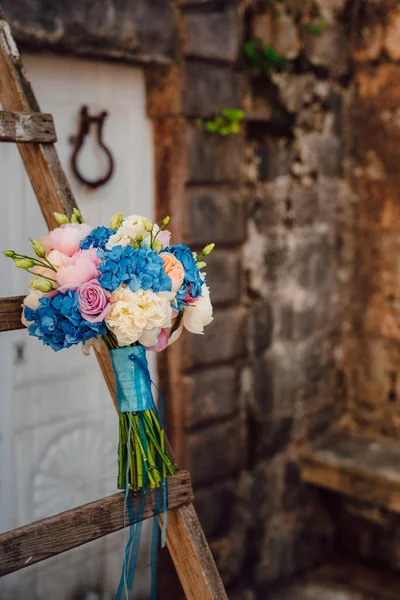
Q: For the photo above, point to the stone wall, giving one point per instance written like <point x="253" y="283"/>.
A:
<point x="371" y="348"/>
<point x="263" y="380"/>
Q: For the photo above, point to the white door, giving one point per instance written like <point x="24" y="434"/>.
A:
<point x="58" y="427"/>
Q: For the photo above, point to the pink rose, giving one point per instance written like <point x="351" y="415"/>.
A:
<point x="83" y="268"/>
<point x="66" y="238"/>
<point x="93" y="301"/>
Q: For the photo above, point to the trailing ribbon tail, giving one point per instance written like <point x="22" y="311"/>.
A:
<point x="143" y="463"/>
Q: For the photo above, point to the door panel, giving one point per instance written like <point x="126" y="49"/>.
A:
<point x="58" y="427"/>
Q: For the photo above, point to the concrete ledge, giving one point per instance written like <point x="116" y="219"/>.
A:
<point x="365" y="469"/>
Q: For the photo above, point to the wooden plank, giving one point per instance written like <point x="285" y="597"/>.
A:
<point x="43" y="539"/>
<point x="192" y="556"/>
<point x="41" y="161"/>
<point x="368" y="470"/>
<point x="10" y="313"/>
<point x="24" y="127"/>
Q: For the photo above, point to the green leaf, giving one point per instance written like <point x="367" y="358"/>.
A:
<point x="176" y="324"/>
<point x="210" y="126"/>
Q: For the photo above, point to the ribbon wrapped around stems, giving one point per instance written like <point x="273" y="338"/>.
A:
<point x="142" y="460"/>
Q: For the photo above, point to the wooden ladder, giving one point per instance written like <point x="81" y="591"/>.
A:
<point x="35" y="135"/>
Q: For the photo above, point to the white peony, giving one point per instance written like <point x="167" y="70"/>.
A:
<point x="31" y="301"/>
<point x="199" y="314"/>
<point x="137" y="316"/>
<point x="126" y="234"/>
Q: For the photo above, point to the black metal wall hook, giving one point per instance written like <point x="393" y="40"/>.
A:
<point x="85" y="122"/>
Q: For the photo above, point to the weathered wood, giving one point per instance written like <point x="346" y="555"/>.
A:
<point x="368" y="470"/>
<point x="33" y="543"/>
<point x="26" y="127"/>
<point x="41" y="161"/>
<point x="10" y="313"/>
<point x="192" y="557"/>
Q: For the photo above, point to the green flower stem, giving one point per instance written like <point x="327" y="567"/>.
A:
<point x="46" y="265"/>
<point x="159" y="449"/>
<point x="42" y="276"/>
<point x="139" y="454"/>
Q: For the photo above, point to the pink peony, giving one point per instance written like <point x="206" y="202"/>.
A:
<point x="83" y="268"/>
<point x="66" y="238"/>
<point x="162" y="341"/>
<point x="93" y="301"/>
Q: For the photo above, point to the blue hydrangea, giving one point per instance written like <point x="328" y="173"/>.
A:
<point x="192" y="281"/>
<point x="134" y="267"/>
<point x="59" y="324"/>
<point x="98" y="238"/>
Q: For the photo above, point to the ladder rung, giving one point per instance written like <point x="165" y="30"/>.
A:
<point x="25" y="127"/>
<point x="33" y="543"/>
<point x="10" y="313"/>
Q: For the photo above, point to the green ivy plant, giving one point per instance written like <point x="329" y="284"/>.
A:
<point x="261" y="60"/>
<point x="316" y="28"/>
<point x="223" y="122"/>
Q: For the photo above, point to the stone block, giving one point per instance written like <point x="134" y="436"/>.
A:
<point x="320" y="153"/>
<point x="330" y="50"/>
<point x="225" y="339"/>
<point x="218" y="451"/>
<point x="276" y="28"/>
<point x="311" y="262"/>
<point x="304" y="204"/>
<point x="214" y="34"/>
<point x="142" y="30"/>
<point x="207" y="88"/>
<point x="224" y="276"/>
<point x="292" y="543"/>
<point x="213" y="158"/>
<point x="392" y="35"/>
<point x="214" y="395"/>
<point x="271" y="436"/>
<point x="278" y="381"/>
<point x="260" y="327"/>
<point x="215" y="505"/>
<point x="214" y="214"/>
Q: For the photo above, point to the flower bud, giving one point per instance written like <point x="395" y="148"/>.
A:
<point x="157" y="245"/>
<point x="201" y="265"/>
<point x="61" y="219"/>
<point x="148" y="225"/>
<point x="78" y="216"/>
<point x="9" y="253"/>
<point x="43" y="285"/>
<point x="166" y="221"/>
<point x="116" y="221"/>
<point x="38" y="248"/>
<point x="208" y="249"/>
<point x="23" y="263"/>
<point x="74" y="219"/>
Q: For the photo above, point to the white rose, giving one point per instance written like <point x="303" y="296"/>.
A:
<point x="134" y="313"/>
<point x="198" y="314"/>
<point x="126" y="234"/>
<point x="31" y="301"/>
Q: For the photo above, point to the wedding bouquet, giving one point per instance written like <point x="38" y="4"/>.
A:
<point x="127" y="285"/>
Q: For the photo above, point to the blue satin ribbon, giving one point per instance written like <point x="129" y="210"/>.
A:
<point x="133" y="387"/>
